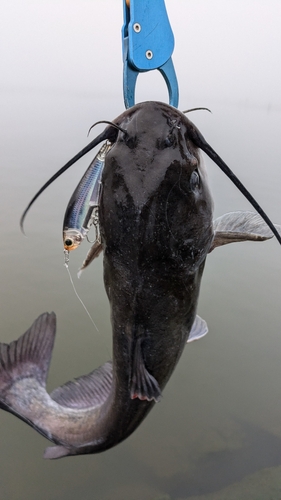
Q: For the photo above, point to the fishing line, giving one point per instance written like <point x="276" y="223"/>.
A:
<point x="66" y="260"/>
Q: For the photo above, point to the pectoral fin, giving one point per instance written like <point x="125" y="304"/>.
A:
<point x="143" y="385"/>
<point x="240" y="226"/>
<point x="199" y="329"/>
<point x="94" y="252"/>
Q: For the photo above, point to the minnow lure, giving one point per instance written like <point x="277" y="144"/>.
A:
<point x="82" y="209"/>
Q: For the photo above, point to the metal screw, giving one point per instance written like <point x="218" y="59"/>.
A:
<point x="149" y="54"/>
<point x="137" y="27"/>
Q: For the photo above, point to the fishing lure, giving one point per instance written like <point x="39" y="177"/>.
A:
<point x="82" y="209"/>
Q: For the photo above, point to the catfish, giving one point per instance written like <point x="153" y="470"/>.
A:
<point x="156" y="228"/>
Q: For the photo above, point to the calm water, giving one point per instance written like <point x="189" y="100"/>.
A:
<point x="217" y="432"/>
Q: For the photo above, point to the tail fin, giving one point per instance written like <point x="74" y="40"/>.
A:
<point x="28" y="356"/>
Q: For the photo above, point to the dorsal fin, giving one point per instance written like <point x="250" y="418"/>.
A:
<point x="86" y="391"/>
<point x="30" y="355"/>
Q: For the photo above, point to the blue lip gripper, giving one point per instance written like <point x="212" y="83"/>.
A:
<point x="148" y="43"/>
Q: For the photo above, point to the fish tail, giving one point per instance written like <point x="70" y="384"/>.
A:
<point x="29" y="356"/>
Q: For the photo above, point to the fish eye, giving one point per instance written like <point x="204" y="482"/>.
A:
<point x="169" y="141"/>
<point x="194" y="180"/>
<point x="166" y="143"/>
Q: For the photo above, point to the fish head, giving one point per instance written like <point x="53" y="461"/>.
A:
<point x="158" y="137"/>
<point x="155" y="174"/>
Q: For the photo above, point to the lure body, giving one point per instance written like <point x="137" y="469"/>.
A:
<point x="82" y="209"/>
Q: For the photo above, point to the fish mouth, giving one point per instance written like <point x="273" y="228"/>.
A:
<point x="72" y="239"/>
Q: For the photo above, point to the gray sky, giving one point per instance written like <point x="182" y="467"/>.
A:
<point x="228" y="49"/>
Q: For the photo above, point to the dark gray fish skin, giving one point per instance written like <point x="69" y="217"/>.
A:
<point x="156" y="229"/>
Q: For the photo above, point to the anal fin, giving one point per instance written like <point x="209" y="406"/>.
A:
<point x="86" y="391"/>
<point x="143" y="385"/>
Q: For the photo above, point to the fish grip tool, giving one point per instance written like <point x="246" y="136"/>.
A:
<point x="148" y="44"/>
